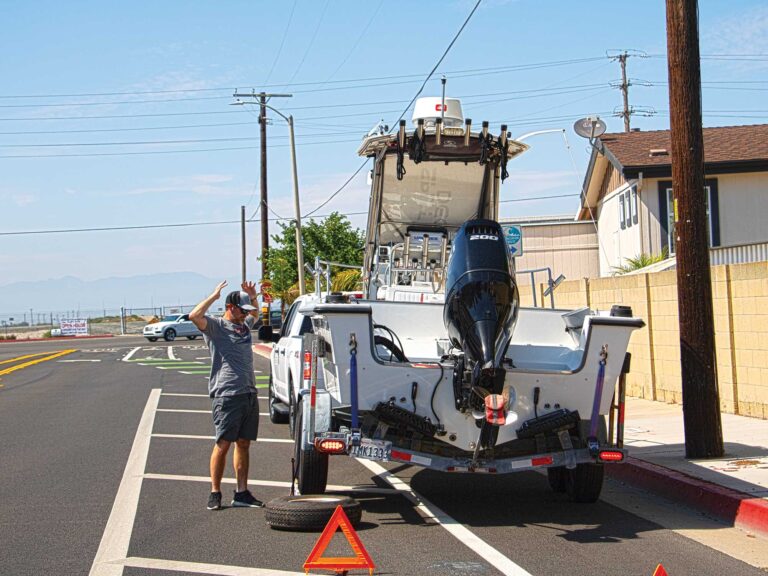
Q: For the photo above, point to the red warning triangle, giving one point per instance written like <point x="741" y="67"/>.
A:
<point x="361" y="558"/>
<point x="660" y="571"/>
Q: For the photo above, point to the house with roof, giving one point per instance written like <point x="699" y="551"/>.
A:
<point x="628" y="191"/>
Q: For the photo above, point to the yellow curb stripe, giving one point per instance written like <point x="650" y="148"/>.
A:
<point x="24" y="357"/>
<point x="33" y="362"/>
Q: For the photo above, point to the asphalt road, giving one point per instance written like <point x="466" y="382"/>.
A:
<point x="71" y="425"/>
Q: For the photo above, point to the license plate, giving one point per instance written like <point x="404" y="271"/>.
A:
<point x="372" y="450"/>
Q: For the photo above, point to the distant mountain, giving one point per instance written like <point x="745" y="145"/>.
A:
<point x="70" y="293"/>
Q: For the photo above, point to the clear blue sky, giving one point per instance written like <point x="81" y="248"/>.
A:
<point x="503" y="67"/>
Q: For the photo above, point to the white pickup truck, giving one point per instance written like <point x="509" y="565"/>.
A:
<point x="286" y="362"/>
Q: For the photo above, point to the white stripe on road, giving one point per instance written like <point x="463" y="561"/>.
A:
<point x="79" y="360"/>
<point x="273" y="484"/>
<point x="199" y="568"/>
<point x="170" y="353"/>
<point x="127" y="357"/>
<point x="197" y="437"/>
<point x="184" y="411"/>
<point x="179" y="394"/>
<point x="117" y="534"/>
<point x="456" y="529"/>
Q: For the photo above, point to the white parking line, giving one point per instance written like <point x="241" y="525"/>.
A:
<point x="127" y="357"/>
<point x="184" y="411"/>
<point x="273" y="484"/>
<point x="170" y="353"/>
<point x="199" y="568"/>
<point x="179" y="394"/>
<point x="454" y="528"/>
<point x="197" y="437"/>
<point x="117" y="534"/>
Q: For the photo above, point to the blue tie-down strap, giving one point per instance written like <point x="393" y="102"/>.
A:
<point x="353" y="380"/>
<point x="592" y="442"/>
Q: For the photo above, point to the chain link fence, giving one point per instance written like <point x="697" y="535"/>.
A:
<point x="38" y="324"/>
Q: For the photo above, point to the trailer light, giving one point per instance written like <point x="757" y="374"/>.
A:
<point x="330" y="446"/>
<point x="543" y="461"/>
<point x="610" y="456"/>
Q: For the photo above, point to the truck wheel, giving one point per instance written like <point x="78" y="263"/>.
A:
<point x="310" y="466"/>
<point x="309" y="513"/>
<point x="274" y="416"/>
<point x="584" y="482"/>
<point x="170" y="335"/>
<point x="556" y="477"/>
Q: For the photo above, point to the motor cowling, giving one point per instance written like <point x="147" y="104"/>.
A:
<point x="482" y="300"/>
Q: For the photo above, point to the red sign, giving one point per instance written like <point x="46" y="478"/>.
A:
<point x="441" y="107"/>
<point x="267" y="298"/>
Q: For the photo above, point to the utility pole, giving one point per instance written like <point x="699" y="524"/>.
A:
<point x="264" y="210"/>
<point x="701" y="402"/>
<point x="242" y="239"/>
<point x="264" y="207"/>
<point x="628" y="111"/>
<point x="625" y="90"/>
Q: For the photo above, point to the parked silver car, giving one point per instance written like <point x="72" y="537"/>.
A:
<point x="170" y="327"/>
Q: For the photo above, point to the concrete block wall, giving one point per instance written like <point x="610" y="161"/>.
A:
<point x="740" y="306"/>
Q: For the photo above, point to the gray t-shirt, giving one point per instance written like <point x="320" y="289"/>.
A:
<point x="231" y="356"/>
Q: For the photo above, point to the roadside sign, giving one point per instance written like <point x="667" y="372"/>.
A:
<point x="514" y="237"/>
<point x="361" y="559"/>
<point x="74" y="327"/>
<point x="267" y="298"/>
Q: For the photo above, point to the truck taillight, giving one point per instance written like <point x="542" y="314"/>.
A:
<point x="610" y="456"/>
<point x="307" y="365"/>
<point x="330" y="446"/>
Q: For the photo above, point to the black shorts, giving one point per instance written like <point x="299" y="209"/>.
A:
<point x="236" y="417"/>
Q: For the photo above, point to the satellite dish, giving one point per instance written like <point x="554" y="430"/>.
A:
<point x="590" y="127"/>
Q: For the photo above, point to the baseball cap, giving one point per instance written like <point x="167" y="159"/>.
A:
<point x="240" y="299"/>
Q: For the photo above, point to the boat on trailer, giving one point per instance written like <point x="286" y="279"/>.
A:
<point x="438" y="365"/>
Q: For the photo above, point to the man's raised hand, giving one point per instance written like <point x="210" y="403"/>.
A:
<point x="249" y="288"/>
<point x="219" y="288"/>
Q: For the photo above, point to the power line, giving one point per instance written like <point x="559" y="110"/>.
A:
<point x="153" y="152"/>
<point x="70" y="104"/>
<point x="445" y="53"/>
<point x="229" y="89"/>
<point x="219" y="222"/>
<point x="311" y="43"/>
<point x="282" y="42"/>
<point x="332" y="196"/>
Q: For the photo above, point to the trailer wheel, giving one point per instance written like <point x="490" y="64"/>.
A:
<point x="556" y="477"/>
<point x="584" y="482"/>
<point x="309" y="513"/>
<point x="310" y="466"/>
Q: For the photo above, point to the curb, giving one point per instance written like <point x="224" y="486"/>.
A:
<point x="57" y="338"/>
<point x="736" y="508"/>
<point x="263" y="350"/>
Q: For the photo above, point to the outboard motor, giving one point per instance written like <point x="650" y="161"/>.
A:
<point x="480" y="312"/>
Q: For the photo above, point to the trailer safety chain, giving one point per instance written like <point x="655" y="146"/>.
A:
<point x="592" y="442"/>
<point x="486" y="143"/>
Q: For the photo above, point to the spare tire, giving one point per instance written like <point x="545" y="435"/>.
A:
<point x="309" y="513"/>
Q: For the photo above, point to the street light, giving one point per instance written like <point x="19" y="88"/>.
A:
<point x="297" y="210"/>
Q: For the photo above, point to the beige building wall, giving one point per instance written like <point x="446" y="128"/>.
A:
<point x="565" y="246"/>
<point x="740" y="305"/>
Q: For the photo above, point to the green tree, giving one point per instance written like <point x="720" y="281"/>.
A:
<point x="332" y="239"/>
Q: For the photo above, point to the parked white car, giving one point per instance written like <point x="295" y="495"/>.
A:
<point x="171" y="327"/>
